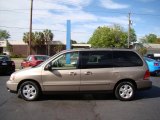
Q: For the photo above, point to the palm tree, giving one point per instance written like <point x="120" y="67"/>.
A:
<point x="26" y="37"/>
<point x="4" y="34"/>
<point x="48" y="37"/>
<point x="38" y="40"/>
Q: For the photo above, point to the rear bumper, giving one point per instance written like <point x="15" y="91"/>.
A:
<point x="11" y="86"/>
<point x="7" y="69"/>
<point x="156" y="72"/>
<point x="144" y="84"/>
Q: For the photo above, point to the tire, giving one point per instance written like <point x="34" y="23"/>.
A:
<point x="21" y="67"/>
<point x="29" y="91"/>
<point x="125" y="91"/>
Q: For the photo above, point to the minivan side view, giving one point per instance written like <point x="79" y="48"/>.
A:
<point x="121" y="71"/>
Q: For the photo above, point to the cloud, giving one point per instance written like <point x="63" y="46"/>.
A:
<point x="75" y="2"/>
<point x="110" y="4"/>
<point x="146" y="10"/>
<point x="46" y="14"/>
<point x="61" y="4"/>
<point x="146" y="0"/>
<point x="49" y="14"/>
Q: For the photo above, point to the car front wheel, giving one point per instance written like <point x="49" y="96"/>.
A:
<point x="125" y="91"/>
<point x="29" y="91"/>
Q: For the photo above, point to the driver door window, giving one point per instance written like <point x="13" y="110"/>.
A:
<point x="66" y="61"/>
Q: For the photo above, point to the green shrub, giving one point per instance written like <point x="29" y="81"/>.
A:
<point x="17" y="56"/>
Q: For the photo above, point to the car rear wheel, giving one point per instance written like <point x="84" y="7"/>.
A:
<point x="125" y="91"/>
<point x="29" y="91"/>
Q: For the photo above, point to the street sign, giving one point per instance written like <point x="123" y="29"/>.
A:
<point x="3" y="43"/>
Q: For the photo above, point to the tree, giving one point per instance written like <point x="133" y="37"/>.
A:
<point x="4" y="34"/>
<point x="48" y="37"/>
<point x="26" y="37"/>
<point x="109" y="37"/>
<point x="58" y="48"/>
<point x="158" y="41"/>
<point x="151" y="38"/>
<point x="37" y="39"/>
<point x="73" y="42"/>
<point x="142" y="50"/>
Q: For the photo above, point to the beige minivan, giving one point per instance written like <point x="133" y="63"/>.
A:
<point x="122" y="71"/>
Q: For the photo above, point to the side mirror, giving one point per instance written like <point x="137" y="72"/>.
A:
<point x="48" y="67"/>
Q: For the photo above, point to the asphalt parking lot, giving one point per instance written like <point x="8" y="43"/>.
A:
<point x="146" y="106"/>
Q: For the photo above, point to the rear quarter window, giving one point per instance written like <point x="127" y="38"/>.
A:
<point x="43" y="58"/>
<point x="5" y="58"/>
<point x="126" y="59"/>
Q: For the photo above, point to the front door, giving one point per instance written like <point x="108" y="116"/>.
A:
<point x="96" y="70"/>
<point x="64" y="74"/>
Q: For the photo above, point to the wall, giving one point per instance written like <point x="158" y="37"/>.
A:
<point x="21" y="50"/>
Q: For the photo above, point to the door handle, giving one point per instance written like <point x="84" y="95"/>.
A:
<point x="88" y="73"/>
<point x="73" y="73"/>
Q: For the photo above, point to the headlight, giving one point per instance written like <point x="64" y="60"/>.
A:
<point x="12" y="77"/>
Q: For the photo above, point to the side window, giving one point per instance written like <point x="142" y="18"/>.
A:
<point x="66" y="61"/>
<point x="27" y="59"/>
<point x="30" y="58"/>
<point x="96" y="59"/>
<point x="126" y="59"/>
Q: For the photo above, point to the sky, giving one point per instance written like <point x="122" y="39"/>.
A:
<point x="85" y="16"/>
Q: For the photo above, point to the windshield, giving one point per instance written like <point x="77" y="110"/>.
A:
<point x="43" y="58"/>
<point x="157" y="58"/>
<point x="4" y="58"/>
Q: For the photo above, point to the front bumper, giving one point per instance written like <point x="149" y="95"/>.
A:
<point x="144" y="84"/>
<point x="12" y="86"/>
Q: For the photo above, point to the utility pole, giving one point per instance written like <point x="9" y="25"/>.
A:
<point x="129" y="27"/>
<point x="68" y="41"/>
<point x="30" y="31"/>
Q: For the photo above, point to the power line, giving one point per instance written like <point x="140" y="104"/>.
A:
<point x="64" y="10"/>
<point x="43" y="29"/>
<point x="27" y="28"/>
<point x="60" y="1"/>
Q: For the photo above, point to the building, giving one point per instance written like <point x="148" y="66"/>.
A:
<point x="20" y="49"/>
<point x="152" y="48"/>
<point x="77" y="46"/>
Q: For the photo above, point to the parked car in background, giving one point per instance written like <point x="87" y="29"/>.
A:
<point x="121" y="71"/>
<point x="155" y="56"/>
<point x="33" y="60"/>
<point x="7" y="66"/>
<point x="153" y="65"/>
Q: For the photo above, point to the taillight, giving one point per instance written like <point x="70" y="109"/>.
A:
<point x="147" y="75"/>
<point x="156" y="64"/>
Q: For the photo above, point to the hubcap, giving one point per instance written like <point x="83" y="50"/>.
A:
<point x="126" y="91"/>
<point x="29" y="91"/>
